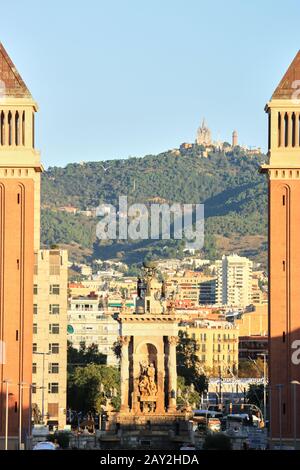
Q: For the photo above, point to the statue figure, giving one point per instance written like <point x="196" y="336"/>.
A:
<point x="147" y="385"/>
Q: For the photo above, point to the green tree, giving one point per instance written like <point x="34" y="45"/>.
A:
<point x="84" y="355"/>
<point x="90" y="387"/>
<point x="188" y="363"/>
<point x="255" y="395"/>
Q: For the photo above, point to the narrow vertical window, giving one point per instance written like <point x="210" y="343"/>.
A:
<point x="9" y="128"/>
<point x="23" y="128"/>
<point x="2" y="127"/>
<point x="17" y="128"/>
<point x="293" y="130"/>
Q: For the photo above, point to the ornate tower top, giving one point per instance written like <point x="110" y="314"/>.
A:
<point x="284" y="122"/>
<point x="288" y="85"/>
<point x="11" y="84"/>
<point x="203" y="134"/>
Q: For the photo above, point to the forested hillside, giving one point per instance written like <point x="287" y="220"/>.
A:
<point x="230" y="186"/>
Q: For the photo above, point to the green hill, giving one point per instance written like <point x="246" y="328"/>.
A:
<point x="230" y="186"/>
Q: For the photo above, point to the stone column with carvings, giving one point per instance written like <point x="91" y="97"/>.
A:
<point x="172" y="340"/>
<point x="124" y="341"/>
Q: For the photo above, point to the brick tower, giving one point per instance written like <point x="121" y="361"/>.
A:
<point x="19" y="235"/>
<point x="283" y="172"/>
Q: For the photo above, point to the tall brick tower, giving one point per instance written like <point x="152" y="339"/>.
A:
<point x="283" y="172"/>
<point x="19" y="235"/>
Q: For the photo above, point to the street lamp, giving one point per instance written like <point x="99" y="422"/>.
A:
<point x="6" y="382"/>
<point x="264" y="355"/>
<point x="43" y="382"/>
<point x="280" y="387"/>
<point x="294" y="383"/>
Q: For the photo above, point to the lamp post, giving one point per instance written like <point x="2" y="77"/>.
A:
<point x="264" y="355"/>
<point x="279" y="387"/>
<point x="6" y="382"/>
<point x="294" y="384"/>
<point x="43" y="382"/>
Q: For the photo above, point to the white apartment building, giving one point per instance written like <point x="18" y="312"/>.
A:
<point x="89" y="324"/>
<point x="49" y="368"/>
<point x="234" y="281"/>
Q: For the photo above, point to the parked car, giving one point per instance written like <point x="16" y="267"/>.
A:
<point x="45" y="445"/>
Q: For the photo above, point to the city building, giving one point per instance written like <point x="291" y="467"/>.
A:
<point x="20" y="170"/>
<point x="218" y="345"/>
<point x="49" y="363"/>
<point x="89" y="323"/>
<point x="254" y="322"/>
<point x="283" y="173"/>
<point x="207" y="295"/>
<point x="234" y="281"/>
<point x="252" y="347"/>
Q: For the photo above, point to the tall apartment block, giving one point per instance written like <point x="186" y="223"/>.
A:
<point x="20" y="170"/>
<point x="49" y="369"/>
<point x="234" y="281"/>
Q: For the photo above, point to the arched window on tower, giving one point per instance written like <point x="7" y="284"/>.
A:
<point x="9" y="128"/>
<point x="23" y="128"/>
<point x="279" y="130"/>
<point x="293" y="130"/>
<point x="286" y="130"/>
<point x="17" y="128"/>
<point x="2" y="128"/>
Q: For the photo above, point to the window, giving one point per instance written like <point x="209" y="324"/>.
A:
<point x="54" y="309"/>
<point x="34" y="330"/>
<point x="34" y="348"/>
<point x="33" y="388"/>
<point x="53" y="368"/>
<point x="34" y="368"/>
<point x="52" y="410"/>
<point x="35" y="289"/>
<point x="35" y="309"/>
<point x="53" y="387"/>
<point x="54" y="348"/>
<point x="54" y="328"/>
<point x="54" y="289"/>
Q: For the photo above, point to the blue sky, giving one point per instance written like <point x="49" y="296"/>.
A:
<point x="126" y="77"/>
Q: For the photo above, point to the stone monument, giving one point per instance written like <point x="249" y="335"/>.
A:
<point x="148" y="416"/>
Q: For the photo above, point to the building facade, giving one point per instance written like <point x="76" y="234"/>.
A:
<point x="20" y="170"/>
<point x="234" y="281"/>
<point x="218" y="345"/>
<point x="283" y="173"/>
<point x="89" y="323"/>
<point x="49" y="363"/>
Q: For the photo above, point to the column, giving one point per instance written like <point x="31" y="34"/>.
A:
<point x="290" y="129"/>
<point x="124" y="340"/>
<point x="160" y="404"/>
<point x="172" y="340"/>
